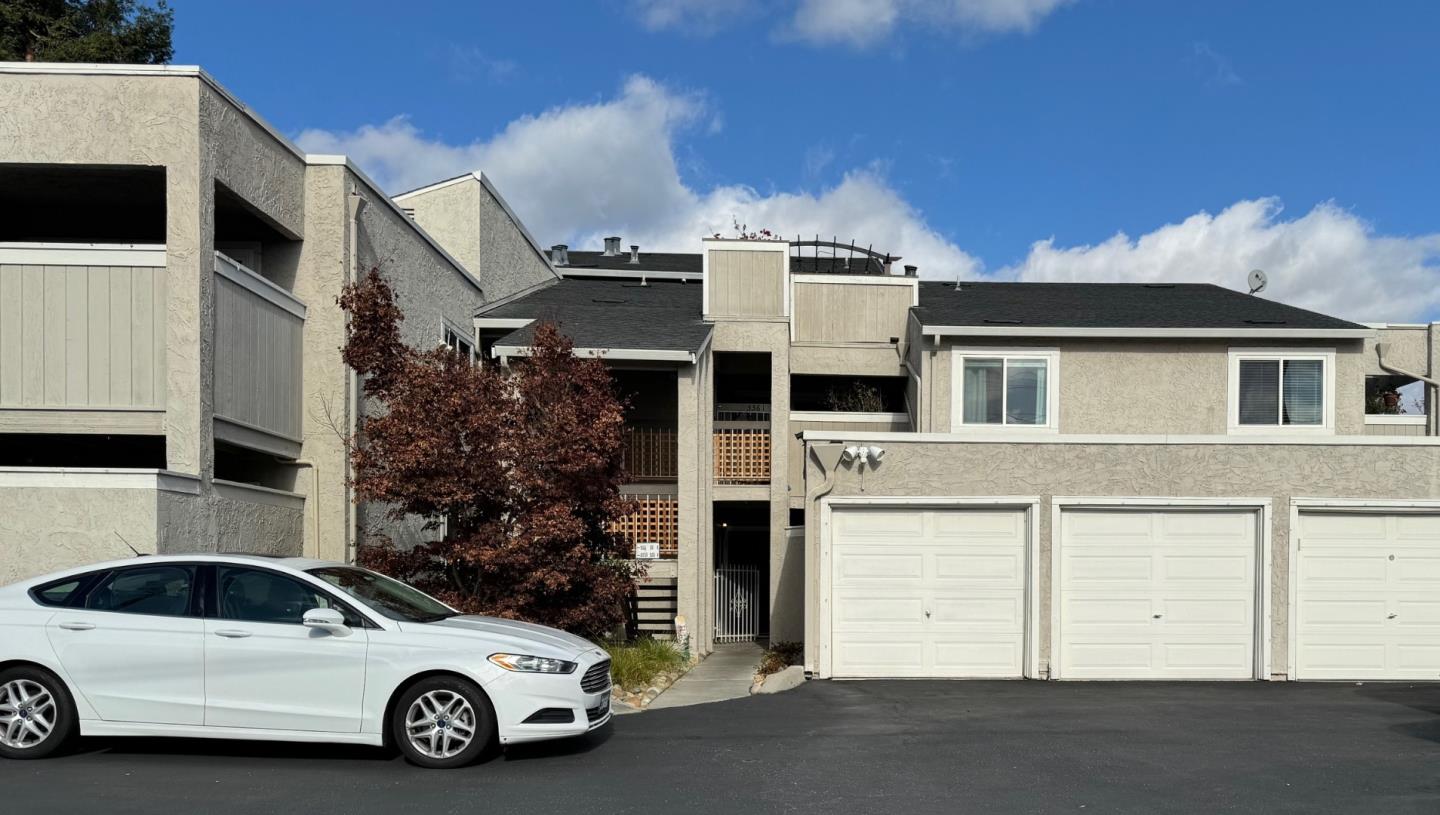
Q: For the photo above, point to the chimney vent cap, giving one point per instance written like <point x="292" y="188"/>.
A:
<point x="634" y="252"/>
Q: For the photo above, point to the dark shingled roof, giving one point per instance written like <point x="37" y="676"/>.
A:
<point x="619" y="314"/>
<point x="1110" y="305"/>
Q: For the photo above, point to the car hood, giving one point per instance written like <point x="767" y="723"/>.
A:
<point x="511" y="631"/>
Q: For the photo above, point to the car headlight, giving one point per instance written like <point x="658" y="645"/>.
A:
<point x="535" y="665"/>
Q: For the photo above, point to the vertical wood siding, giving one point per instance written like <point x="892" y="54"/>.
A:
<point x="850" y="312"/>
<point x="747" y="283"/>
<point x="257" y="361"/>
<point x="82" y="336"/>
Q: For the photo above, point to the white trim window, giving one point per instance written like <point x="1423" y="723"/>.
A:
<point x="457" y="341"/>
<point x="1282" y="390"/>
<point x="994" y="388"/>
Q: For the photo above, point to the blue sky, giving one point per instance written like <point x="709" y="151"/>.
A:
<point x="1132" y="140"/>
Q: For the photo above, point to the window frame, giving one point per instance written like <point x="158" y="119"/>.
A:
<point x="447" y="329"/>
<point x="1326" y="356"/>
<point x="1051" y="357"/>
<point x="1420" y="419"/>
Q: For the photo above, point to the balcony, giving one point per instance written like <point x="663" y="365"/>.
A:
<point x="654" y="519"/>
<point x="742" y="443"/>
<point x="258" y="361"/>
<point x="651" y="453"/>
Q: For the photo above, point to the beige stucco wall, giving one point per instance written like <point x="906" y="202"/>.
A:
<point x="1278" y="472"/>
<point x="476" y="228"/>
<point x="46" y="529"/>
<point x="1148" y="386"/>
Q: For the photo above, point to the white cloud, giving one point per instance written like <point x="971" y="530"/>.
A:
<point x="1327" y="259"/>
<point x="575" y="174"/>
<point x="857" y="23"/>
<point x="578" y="173"/>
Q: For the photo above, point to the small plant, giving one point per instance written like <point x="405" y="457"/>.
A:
<point x="743" y="233"/>
<point x="781" y="655"/>
<point x="855" y="397"/>
<point x="634" y="665"/>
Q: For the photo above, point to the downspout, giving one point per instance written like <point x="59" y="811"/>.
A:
<point x="1430" y="420"/>
<point x="355" y="204"/>
<point x="828" y="457"/>
<point x="314" y="499"/>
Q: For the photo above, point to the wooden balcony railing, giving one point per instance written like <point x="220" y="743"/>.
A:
<point x="651" y="453"/>
<point x="656" y="519"/>
<point x="742" y="452"/>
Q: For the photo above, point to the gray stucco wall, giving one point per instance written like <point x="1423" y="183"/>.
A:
<point x="1046" y="470"/>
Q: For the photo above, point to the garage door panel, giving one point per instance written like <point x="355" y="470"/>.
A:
<point x="1368" y="596"/>
<point x="1157" y="594"/>
<point x="965" y="567"/>
<point x="994" y="613"/>
<point x="999" y="567"/>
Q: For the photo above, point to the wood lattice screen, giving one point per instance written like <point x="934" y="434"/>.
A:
<point x="742" y="454"/>
<point x="656" y="519"/>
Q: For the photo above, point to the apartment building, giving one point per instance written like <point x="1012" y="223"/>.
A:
<point x="1074" y="481"/>
<point x="170" y="372"/>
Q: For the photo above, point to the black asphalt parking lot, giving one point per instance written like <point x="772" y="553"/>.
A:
<point x="837" y="747"/>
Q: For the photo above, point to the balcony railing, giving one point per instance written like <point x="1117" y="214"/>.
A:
<point x="651" y="453"/>
<point x="742" y="452"/>
<point x="655" y="519"/>
<point x="258" y="362"/>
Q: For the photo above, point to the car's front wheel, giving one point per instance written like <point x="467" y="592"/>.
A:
<point x="443" y="722"/>
<point x="37" y="716"/>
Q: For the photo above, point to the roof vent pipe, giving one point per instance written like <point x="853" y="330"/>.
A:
<point x="612" y="247"/>
<point x="634" y="252"/>
<point x="912" y="271"/>
<point x="560" y="255"/>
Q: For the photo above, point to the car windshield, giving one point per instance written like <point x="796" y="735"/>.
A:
<point x="385" y="595"/>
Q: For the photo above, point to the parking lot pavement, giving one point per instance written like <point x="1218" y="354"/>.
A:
<point x="839" y="747"/>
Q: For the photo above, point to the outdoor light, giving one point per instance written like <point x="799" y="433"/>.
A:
<point x="523" y="663"/>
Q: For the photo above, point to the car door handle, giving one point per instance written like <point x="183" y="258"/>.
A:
<point x="233" y="634"/>
<point x="77" y="626"/>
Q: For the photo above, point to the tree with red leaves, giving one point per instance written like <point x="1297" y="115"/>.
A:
<point x="522" y="463"/>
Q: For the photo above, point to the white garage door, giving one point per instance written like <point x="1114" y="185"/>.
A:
<point x="1368" y="596"/>
<point x="928" y="593"/>
<point x="1157" y="594"/>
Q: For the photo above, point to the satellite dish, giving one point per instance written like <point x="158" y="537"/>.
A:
<point x="1257" y="281"/>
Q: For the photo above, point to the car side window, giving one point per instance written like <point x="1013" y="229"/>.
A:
<point x="156" y="590"/>
<point x="260" y="596"/>
<point x="61" y="592"/>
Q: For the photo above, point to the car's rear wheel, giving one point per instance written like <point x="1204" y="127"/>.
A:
<point x="37" y="715"/>
<point x="443" y="722"/>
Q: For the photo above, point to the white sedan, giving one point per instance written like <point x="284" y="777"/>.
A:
<point x="244" y="647"/>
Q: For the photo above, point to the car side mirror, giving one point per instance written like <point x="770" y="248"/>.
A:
<point x="328" y="620"/>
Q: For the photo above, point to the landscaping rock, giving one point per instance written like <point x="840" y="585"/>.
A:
<point x="791" y="677"/>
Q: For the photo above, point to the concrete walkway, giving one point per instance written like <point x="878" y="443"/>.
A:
<point x="725" y="674"/>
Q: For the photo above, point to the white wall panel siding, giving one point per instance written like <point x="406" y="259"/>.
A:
<point x="257" y="359"/>
<point x="82" y="336"/>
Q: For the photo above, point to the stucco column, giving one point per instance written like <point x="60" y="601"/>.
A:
<point x="689" y="585"/>
<point x="190" y="312"/>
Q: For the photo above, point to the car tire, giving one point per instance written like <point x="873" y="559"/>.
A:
<point x="30" y="699"/>
<point x="430" y="720"/>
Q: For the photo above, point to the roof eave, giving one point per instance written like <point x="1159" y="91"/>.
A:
<point x="1358" y="333"/>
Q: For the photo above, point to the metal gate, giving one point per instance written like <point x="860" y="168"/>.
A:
<point x="737" y="603"/>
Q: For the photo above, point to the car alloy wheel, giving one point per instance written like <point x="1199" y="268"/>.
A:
<point x="28" y="714"/>
<point x="440" y="724"/>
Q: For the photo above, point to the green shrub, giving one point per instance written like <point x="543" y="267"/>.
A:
<point x="634" y="665"/>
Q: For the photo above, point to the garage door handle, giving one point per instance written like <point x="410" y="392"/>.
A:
<point x="1391" y="616"/>
<point x="77" y="626"/>
<point x="1156" y="616"/>
<point x="232" y="634"/>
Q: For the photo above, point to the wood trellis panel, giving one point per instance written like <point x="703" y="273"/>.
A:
<point x="656" y="519"/>
<point x="742" y="454"/>
<point x="651" y="453"/>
